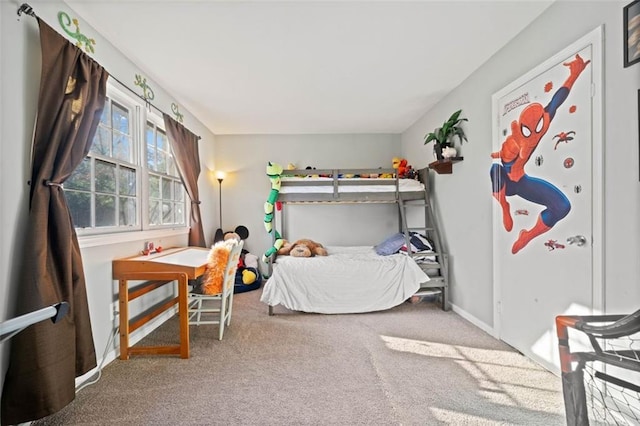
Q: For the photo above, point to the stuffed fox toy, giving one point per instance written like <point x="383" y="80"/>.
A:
<point x="213" y="279"/>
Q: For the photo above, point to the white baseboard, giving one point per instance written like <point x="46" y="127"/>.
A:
<point x="473" y="320"/>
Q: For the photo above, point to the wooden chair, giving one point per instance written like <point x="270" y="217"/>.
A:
<point x="216" y="308"/>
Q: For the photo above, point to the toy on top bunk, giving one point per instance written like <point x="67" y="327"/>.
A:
<point x="404" y="169"/>
<point x="302" y="248"/>
<point x="292" y="166"/>
<point x="370" y="175"/>
<point x="248" y="274"/>
<point x="286" y="171"/>
<point x="314" y="175"/>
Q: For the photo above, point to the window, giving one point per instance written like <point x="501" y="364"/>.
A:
<point x="166" y="192"/>
<point x="113" y="189"/>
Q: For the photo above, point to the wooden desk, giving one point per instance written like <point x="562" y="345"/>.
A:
<point x="175" y="264"/>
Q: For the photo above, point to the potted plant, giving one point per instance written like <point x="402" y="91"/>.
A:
<point x="443" y="137"/>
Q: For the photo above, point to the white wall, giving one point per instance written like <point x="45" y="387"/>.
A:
<point x="247" y="187"/>
<point x="19" y="84"/>
<point x="16" y="40"/>
<point x="464" y="201"/>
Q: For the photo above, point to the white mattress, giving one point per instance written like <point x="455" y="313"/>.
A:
<point x="404" y="185"/>
<point x="348" y="280"/>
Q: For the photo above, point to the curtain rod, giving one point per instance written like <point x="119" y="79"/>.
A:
<point x="27" y="9"/>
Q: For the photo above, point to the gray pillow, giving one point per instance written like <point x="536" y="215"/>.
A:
<point x="390" y="245"/>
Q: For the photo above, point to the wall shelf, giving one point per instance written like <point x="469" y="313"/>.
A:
<point x="445" y="166"/>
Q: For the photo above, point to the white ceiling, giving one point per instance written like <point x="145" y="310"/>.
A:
<point x="267" y="67"/>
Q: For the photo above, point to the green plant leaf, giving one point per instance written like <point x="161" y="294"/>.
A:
<point x="429" y="137"/>
<point x="450" y="129"/>
<point x="454" y="116"/>
<point x="460" y="134"/>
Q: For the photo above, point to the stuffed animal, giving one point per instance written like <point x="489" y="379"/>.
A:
<point x="302" y="248"/>
<point x="290" y="166"/>
<point x="402" y="167"/>
<point x="247" y="271"/>
<point x="274" y="171"/>
<point x="312" y="175"/>
<point x="387" y="175"/>
<point x="395" y="162"/>
<point x="213" y="278"/>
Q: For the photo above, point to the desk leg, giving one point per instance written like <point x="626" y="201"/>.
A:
<point x="124" y="319"/>
<point x="183" y="312"/>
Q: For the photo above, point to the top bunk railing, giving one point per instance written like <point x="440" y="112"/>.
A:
<point x="348" y="185"/>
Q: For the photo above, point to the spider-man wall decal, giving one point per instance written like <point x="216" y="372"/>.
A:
<point x="508" y="177"/>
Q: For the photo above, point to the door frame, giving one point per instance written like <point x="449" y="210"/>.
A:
<point x="595" y="38"/>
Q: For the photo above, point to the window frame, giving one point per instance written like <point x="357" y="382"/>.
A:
<point x="158" y="122"/>
<point x="140" y="115"/>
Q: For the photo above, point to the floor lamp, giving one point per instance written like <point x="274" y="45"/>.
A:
<point x="220" y="175"/>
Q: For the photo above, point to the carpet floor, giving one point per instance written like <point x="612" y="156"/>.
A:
<point x="411" y="365"/>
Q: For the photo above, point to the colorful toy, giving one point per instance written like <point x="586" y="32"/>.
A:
<point x="312" y="175"/>
<point x="213" y="278"/>
<point x="247" y="273"/>
<point x="404" y="169"/>
<point x="273" y="171"/>
<point x="302" y="248"/>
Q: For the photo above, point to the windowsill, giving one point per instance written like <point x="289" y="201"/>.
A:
<point x="125" y="237"/>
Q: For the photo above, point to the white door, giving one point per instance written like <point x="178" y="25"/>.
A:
<point x="546" y="182"/>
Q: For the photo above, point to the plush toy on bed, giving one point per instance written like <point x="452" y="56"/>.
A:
<point x="403" y="168"/>
<point x="302" y="248"/>
<point x="388" y="175"/>
<point x="401" y="165"/>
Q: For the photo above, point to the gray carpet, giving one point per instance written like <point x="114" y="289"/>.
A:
<point x="411" y="365"/>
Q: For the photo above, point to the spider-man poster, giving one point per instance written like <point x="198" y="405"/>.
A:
<point x="544" y="126"/>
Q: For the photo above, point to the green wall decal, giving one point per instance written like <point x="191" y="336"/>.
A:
<point x="65" y="22"/>
<point x="147" y="92"/>
<point x="176" y="112"/>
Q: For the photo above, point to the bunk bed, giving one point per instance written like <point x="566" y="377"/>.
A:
<point x="347" y="186"/>
<point x="356" y="279"/>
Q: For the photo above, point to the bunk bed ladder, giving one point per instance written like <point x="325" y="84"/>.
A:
<point x="438" y="270"/>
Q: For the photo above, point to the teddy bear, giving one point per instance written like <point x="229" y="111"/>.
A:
<point x="302" y="248"/>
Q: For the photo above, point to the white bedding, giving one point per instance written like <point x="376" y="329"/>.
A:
<point x="404" y="185"/>
<point x="348" y="280"/>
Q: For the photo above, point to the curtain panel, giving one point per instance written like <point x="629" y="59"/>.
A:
<point x="184" y="145"/>
<point x="45" y="358"/>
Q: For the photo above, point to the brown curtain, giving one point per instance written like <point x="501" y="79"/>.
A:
<point x="185" y="150"/>
<point x="45" y="358"/>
